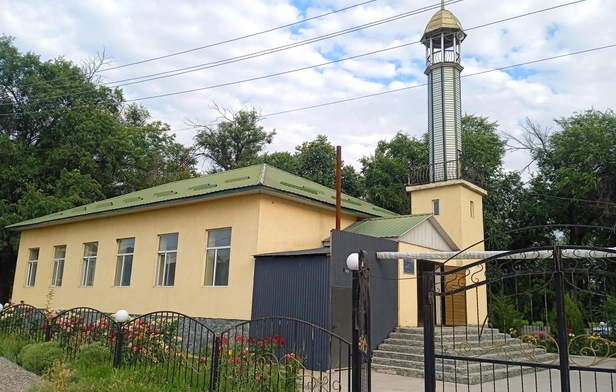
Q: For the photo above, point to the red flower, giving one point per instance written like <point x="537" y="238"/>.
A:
<point x="202" y="360"/>
<point x="569" y="330"/>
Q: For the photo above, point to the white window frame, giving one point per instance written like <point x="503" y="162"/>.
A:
<point x="163" y="263"/>
<point x="32" y="267"/>
<point x="212" y="283"/>
<point x="57" y="273"/>
<point x="89" y="263"/>
<point x="121" y="264"/>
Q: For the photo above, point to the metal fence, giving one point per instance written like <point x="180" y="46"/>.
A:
<point x="266" y="354"/>
<point x="530" y="319"/>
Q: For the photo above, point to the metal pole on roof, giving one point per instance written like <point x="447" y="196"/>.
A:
<point x="338" y="185"/>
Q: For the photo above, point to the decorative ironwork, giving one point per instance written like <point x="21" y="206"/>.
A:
<point x="543" y="313"/>
<point x="267" y="354"/>
<point x="444" y="171"/>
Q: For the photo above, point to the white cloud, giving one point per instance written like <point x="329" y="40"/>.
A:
<point x="137" y="30"/>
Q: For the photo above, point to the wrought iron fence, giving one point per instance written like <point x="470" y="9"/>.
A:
<point x="526" y="319"/>
<point x="445" y="171"/>
<point x="267" y="354"/>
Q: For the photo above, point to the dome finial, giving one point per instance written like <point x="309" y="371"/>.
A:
<point x="442" y="4"/>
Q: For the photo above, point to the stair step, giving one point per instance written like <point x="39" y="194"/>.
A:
<point x="460" y="378"/>
<point x="402" y="353"/>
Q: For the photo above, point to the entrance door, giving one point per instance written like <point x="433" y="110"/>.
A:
<point x="455" y="305"/>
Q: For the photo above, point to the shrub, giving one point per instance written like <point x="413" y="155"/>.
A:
<point x="10" y="347"/>
<point x="40" y="357"/>
<point x="504" y="316"/>
<point x="93" y="354"/>
<point x="575" y="320"/>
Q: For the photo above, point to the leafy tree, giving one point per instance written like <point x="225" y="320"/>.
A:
<point x="282" y="160"/>
<point x="386" y="171"/>
<point x="234" y="141"/>
<point x="66" y="140"/>
<point x="317" y="161"/>
<point x="575" y="181"/>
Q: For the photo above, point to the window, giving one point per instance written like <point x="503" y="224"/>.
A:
<point x="124" y="264"/>
<point x="89" y="264"/>
<point x="472" y="209"/>
<point x="217" y="257"/>
<point x="32" y="265"/>
<point x="167" y="255"/>
<point x="436" y="209"/>
<point x="59" y="254"/>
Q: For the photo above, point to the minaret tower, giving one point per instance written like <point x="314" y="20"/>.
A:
<point x="447" y="187"/>
<point x="443" y="40"/>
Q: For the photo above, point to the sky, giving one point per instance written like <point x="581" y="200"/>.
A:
<point x="140" y="30"/>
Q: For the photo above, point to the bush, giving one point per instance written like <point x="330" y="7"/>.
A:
<point x="40" y="357"/>
<point x="504" y="316"/>
<point x="10" y="347"/>
<point x="575" y="320"/>
<point x="93" y="354"/>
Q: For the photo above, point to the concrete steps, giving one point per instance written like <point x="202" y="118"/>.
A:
<point x="402" y="354"/>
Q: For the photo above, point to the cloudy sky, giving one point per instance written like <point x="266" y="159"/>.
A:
<point x="140" y="30"/>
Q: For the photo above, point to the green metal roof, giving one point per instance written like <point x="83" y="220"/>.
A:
<point x="232" y="181"/>
<point x="387" y="227"/>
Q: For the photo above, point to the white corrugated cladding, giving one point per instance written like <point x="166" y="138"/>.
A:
<point x="444" y="120"/>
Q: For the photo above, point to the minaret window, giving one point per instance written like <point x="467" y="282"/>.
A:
<point x="472" y="209"/>
<point x="436" y="209"/>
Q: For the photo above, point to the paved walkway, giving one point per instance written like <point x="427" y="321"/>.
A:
<point x="542" y="381"/>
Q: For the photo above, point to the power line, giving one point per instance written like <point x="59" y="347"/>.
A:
<point x="380" y="93"/>
<point x="574" y="199"/>
<point x="238" y="38"/>
<point x="219" y="43"/>
<point x="425" y="84"/>
<point x="322" y="64"/>
<point x="218" y="63"/>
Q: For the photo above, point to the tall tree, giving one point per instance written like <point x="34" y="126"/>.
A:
<point x="317" y="161"/>
<point x="66" y="140"/>
<point x="575" y="181"/>
<point x="386" y="171"/>
<point x="234" y="140"/>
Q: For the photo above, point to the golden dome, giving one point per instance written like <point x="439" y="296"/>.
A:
<point x="443" y="19"/>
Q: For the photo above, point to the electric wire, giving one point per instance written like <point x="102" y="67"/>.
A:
<point x="232" y="60"/>
<point x="216" y="43"/>
<point x="329" y="62"/>
<point x="236" y="39"/>
<point x="425" y="84"/>
<point x="379" y="93"/>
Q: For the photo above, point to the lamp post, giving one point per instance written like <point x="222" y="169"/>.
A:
<point x="357" y="264"/>
<point x="121" y="317"/>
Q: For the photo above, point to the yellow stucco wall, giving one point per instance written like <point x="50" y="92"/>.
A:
<point x="465" y="229"/>
<point x="407" y="288"/>
<point x="259" y="223"/>
<point x="455" y="211"/>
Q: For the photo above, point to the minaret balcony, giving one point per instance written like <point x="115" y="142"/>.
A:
<point x="446" y="171"/>
<point x="451" y="56"/>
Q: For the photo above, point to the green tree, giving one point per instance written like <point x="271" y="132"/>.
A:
<point x="281" y="160"/>
<point x="575" y="182"/>
<point x="234" y="141"/>
<point x="66" y="140"/>
<point x="317" y="161"/>
<point x="386" y="171"/>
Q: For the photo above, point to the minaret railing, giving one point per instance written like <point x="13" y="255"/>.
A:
<point x="445" y="171"/>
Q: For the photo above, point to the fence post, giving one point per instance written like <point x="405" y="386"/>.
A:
<point x="48" y="330"/>
<point x="356" y="365"/>
<point x="117" y="358"/>
<point x="428" y="315"/>
<point x="216" y="348"/>
<point x="561" y="321"/>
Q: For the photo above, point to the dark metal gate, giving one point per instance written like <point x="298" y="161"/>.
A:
<point x="540" y="319"/>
